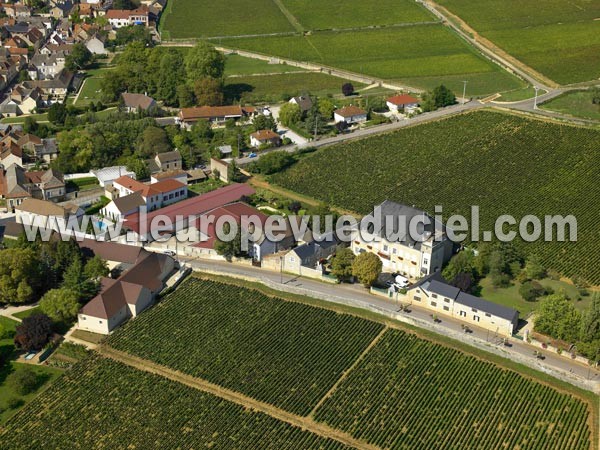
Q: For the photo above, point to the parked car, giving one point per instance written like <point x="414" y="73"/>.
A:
<point x="169" y="252"/>
<point x="252" y="155"/>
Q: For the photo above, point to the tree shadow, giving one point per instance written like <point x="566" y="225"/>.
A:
<point x="233" y="92"/>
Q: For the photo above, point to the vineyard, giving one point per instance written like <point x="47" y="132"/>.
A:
<point x="504" y="163"/>
<point x="409" y="393"/>
<point x="104" y="404"/>
<point x="283" y="353"/>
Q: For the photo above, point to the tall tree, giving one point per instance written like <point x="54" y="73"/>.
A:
<point x="33" y="332"/>
<point x="366" y="268"/>
<point x="341" y="264"/>
<point x="170" y="75"/>
<point x="289" y="114"/>
<point x="79" y="57"/>
<point x="202" y="61"/>
<point x="61" y="305"/>
<point x="208" y="91"/>
<point x="558" y="318"/>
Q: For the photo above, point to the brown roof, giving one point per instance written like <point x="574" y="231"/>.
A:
<point x="136" y="101"/>
<point x="42" y="208"/>
<point x="129" y="202"/>
<point x="149" y="189"/>
<point x="264" y="135"/>
<point x="170" y="174"/>
<point x="401" y="100"/>
<point x="112" y="251"/>
<point x="350" y="111"/>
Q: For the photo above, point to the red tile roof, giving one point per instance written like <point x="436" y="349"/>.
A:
<point x="148" y="190"/>
<point x="264" y="135"/>
<point x="401" y="100"/>
<point x="195" y="205"/>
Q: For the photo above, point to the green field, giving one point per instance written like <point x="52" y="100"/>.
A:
<point x="286" y="354"/>
<point x="104" y="404"/>
<point x="574" y="103"/>
<point x="188" y="19"/>
<point x="324" y="15"/>
<point x="409" y="393"/>
<point x="422" y="55"/>
<point x="20" y="119"/>
<point x="90" y="91"/>
<point x="559" y="38"/>
<point x="503" y="163"/>
<point x="518" y="94"/>
<point x="275" y="88"/>
<point x="240" y="65"/>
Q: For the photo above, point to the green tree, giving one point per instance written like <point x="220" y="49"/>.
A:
<point x="461" y="263"/>
<point x="590" y="321"/>
<point x="347" y="89"/>
<point x="95" y="267"/>
<point x="61" y="305"/>
<point x="203" y="60"/>
<point x="24" y="380"/>
<point x="262" y="122"/>
<point x="185" y="96"/>
<point x="79" y="58"/>
<point x="170" y="75"/>
<point x="558" y="318"/>
<point x="139" y="167"/>
<point x="75" y="280"/>
<point x="229" y="248"/>
<point x="341" y="263"/>
<point x="154" y="140"/>
<point x="534" y="268"/>
<point x="531" y="291"/>
<point x="272" y="162"/>
<point x="290" y="114"/>
<point x="233" y="172"/>
<point x="443" y="96"/>
<point x="208" y="91"/>
<point x="57" y="113"/>
<point x="366" y="268"/>
<point x="326" y="108"/>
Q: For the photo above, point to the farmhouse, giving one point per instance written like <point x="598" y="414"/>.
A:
<point x="154" y="195"/>
<point x="126" y="296"/>
<point x="402" y="103"/>
<point x="306" y="258"/>
<point x="265" y="137"/>
<point x="433" y="293"/>
<point x="217" y="115"/>
<point x="304" y="102"/>
<point x="47" y="215"/>
<point x="405" y="255"/>
<point x="350" y="115"/>
<point x="16" y="185"/>
<point x="119" y="18"/>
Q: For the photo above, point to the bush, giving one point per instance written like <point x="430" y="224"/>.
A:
<point x="531" y="291"/>
<point x="23" y="381"/>
<point x="14" y="402"/>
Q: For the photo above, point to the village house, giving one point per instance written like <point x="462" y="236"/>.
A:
<point x="175" y="174"/>
<point x="307" y="258"/>
<point x="165" y="161"/>
<point x="265" y="138"/>
<point x="54" y="90"/>
<point x="217" y="115"/>
<point x="433" y="293"/>
<point x="225" y="151"/>
<point x="402" y="104"/>
<point x="45" y="67"/>
<point x="16" y="185"/>
<point x="220" y="169"/>
<point x="404" y="255"/>
<point x="95" y="45"/>
<point x="304" y="102"/>
<point x="121" y="207"/>
<point x="133" y="103"/>
<point x="48" y="215"/>
<point x="119" y="18"/>
<point x="155" y="195"/>
<point x="127" y="296"/>
<point x="350" y="115"/>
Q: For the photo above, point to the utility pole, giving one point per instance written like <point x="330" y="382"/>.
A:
<point x="535" y="98"/>
<point x="464" y="91"/>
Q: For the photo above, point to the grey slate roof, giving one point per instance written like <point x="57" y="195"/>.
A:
<point x="443" y="289"/>
<point x="487" y="307"/>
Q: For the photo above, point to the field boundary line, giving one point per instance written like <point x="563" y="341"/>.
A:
<point x="344" y="375"/>
<point x="289" y="16"/>
<point x="304" y="423"/>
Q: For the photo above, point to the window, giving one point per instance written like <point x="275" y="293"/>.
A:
<point x="488" y="315"/>
<point x="425" y="261"/>
<point x="394" y="251"/>
<point x="476" y="318"/>
<point x="463" y="314"/>
<point x="417" y="298"/>
<point x="433" y="304"/>
<point x="385" y="248"/>
<point x="292" y="259"/>
<point x="474" y="310"/>
<point x="446" y="300"/>
<point x="446" y="308"/>
<point x="433" y="295"/>
<point x="99" y="321"/>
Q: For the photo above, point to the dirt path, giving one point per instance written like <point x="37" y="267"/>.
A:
<point x="289" y="16"/>
<point x="347" y="371"/>
<point x="305" y="423"/>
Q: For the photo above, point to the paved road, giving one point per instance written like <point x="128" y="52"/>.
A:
<point x="377" y="129"/>
<point x="357" y="296"/>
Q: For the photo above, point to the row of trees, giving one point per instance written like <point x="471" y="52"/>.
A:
<point x="167" y="74"/>
<point x="366" y="267"/>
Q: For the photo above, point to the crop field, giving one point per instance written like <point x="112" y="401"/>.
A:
<point x="105" y="404"/>
<point x="320" y="15"/>
<point x="575" y="103"/>
<point x="424" y="55"/>
<point x="559" y="38"/>
<point x="410" y="393"/>
<point x="192" y="19"/>
<point x="275" y="88"/>
<point x="503" y="163"/>
<point x="283" y="353"/>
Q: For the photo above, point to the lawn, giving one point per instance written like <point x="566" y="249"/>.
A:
<point x="188" y="19"/>
<point x="510" y="296"/>
<point x="422" y="55"/>
<point x="90" y="92"/>
<point x="318" y="14"/>
<point x="503" y="163"/>
<point x="23" y="314"/>
<point x="83" y="184"/>
<point x="207" y="185"/>
<point x="240" y="65"/>
<point x="574" y="103"/>
<point x="275" y="88"/>
<point x="518" y="94"/>
<point x="560" y="39"/>
<point x="20" y="119"/>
